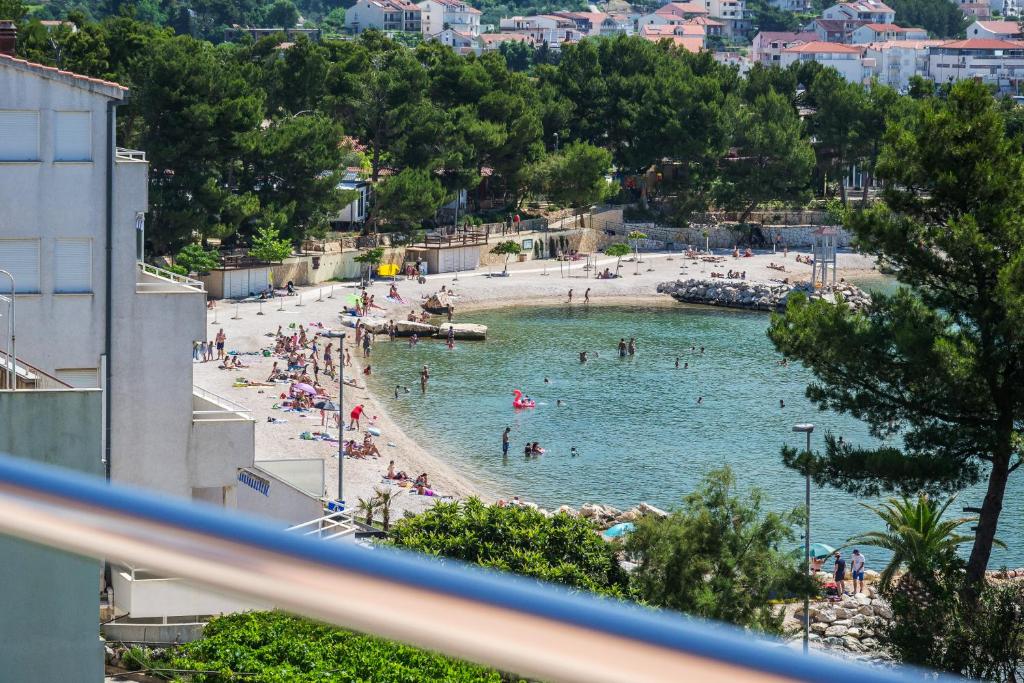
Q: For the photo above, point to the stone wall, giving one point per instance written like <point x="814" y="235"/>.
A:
<point x="851" y="625"/>
<point x="726" y="237"/>
<point x="759" y="296"/>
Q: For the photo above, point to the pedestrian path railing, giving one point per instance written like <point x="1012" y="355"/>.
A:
<point x="507" y="622"/>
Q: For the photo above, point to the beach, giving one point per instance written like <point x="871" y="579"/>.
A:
<point x="528" y="284"/>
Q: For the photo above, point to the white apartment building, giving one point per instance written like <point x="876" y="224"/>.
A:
<point x="998" y="30"/>
<point x="864" y="11"/>
<point x="732" y="14"/>
<point x="845" y="59"/>
<point x="767" y="46"/>
<point x="791" y="5"/>
<point x="895" y="62"/>
<point x="996" y="62"/>
<point x="383" y="15"/>
<point x="542" y="28"/>
<point x="438" y="15"/>
<point x="881" y="33"/>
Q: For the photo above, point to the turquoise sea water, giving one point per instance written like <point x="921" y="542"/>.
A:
<point x="636" y="422"/>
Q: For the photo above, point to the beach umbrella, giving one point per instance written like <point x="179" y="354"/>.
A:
<point x="619" y="530"/>
<point x="303" y="387"/>
<point x="821" y="550"/>
<point x="326" y="405"/>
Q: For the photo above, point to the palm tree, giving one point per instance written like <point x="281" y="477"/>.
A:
<point x="384" y="498"/>
<point x="368" y="507"/>
<point x="915" y="533"/>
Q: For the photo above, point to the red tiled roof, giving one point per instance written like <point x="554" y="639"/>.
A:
<point x="983" y="44"/>
<point x="786" y="36"/>
<point x="54" y="71"/>
<point x="1009" y="27"/>
<point x="677" y="9"/>
<point x="820" y="46"/>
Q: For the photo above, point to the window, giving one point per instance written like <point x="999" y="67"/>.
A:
<point x="72" y="272"/>
<point x="72" y="137"/>
<point x="19" y="135"/>
<point x="21" y="259"/>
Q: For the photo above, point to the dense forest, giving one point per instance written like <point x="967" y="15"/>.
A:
<point x="242" y="136"/>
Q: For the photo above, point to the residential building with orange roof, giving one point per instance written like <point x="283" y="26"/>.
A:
<point x="589" y="23"/>
<point x="880" y="33"/>
<point x="1002" y="30"/>
<point x="767" y="46"/>
<point x="543" y="28"/>
<point x="846" y="59"/>
<point x="993" y="61"/>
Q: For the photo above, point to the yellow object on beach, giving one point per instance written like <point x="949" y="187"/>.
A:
<point x="387" y="269"/>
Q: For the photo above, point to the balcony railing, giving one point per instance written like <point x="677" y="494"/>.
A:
<point x="330" y="527"/>
<point x="163" y="278"/>
<point x="226" y="408"/>
<point x="508" y="622"/>
<point x="125" y="154"/>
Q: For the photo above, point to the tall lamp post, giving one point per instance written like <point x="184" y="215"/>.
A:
<point x="341" y="421"/>
<point x="806" y="428"/>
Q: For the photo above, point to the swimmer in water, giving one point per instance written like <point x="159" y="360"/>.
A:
<point x="782" y="404"/>
<point x="573" y="452"/>
<point x="677" y="362"/>
<point x="686" y="366"/>
<point x="547" y="381"/>
<point x="559" y="403"/>
<point x="702" y="350"/>
<point x="700" y="400"/>
<point x="583" y="356"/>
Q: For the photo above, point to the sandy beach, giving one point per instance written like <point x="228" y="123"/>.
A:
<point x="529" y="283"/>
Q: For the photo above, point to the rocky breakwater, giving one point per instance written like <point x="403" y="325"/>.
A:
<point x="603" y="516"/>
<point x="851" y="625"/>
<point x="758" y="296"/>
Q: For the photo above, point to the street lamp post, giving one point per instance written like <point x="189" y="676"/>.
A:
<point x="806" y="428"/>
<point x="341" y="420"/>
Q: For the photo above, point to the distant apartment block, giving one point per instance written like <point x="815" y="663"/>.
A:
<point x="767" y="46"/>
<point x="438" y="15"/>
<point x="878" y="33"/>
<point x="846" y="59"/>
<point x="384" y="15"/>
<point x="997" y="62"/>
<point x="895" y="62"/>
<point x="998" y="30"/>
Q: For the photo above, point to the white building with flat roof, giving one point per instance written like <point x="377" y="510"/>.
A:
<point x="845" y="59"/>
<point x="439" y="15"/>
<point x="896" y="62"/>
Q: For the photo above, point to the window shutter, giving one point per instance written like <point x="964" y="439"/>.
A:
<point x="72" y="136"/>
<point x="73" y="266"/>
<point x="21" y="259"/>
<point x="19" y="135"/>
<point x="79" y="378"/>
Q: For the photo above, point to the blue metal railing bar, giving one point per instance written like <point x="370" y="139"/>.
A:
<point x="167" y="525"/>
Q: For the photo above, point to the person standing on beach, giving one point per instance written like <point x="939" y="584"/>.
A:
<point x="504" y="441"/>
<point x="367" y="341"/>
<point x="857" y="571"/>
<point x="622" y="347"/>
<point x="570" y="297"/>
<point x="221" y="340"/>
<point x="424" y="376"/>
<point x="586" y="296"/>
<point x="356" y="413"/>
<point x="451" y="312"/>
<point x="329" y="359"/>
<point x="839" y="574"/>
<point x="348" y="359"/>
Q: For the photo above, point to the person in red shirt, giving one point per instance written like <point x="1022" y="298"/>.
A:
<point x="355" y="415"/>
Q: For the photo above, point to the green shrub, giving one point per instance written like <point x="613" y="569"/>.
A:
<point x="562" y="549"/>
<point x="279" y="648"/>
<point x="194" y="259"/>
